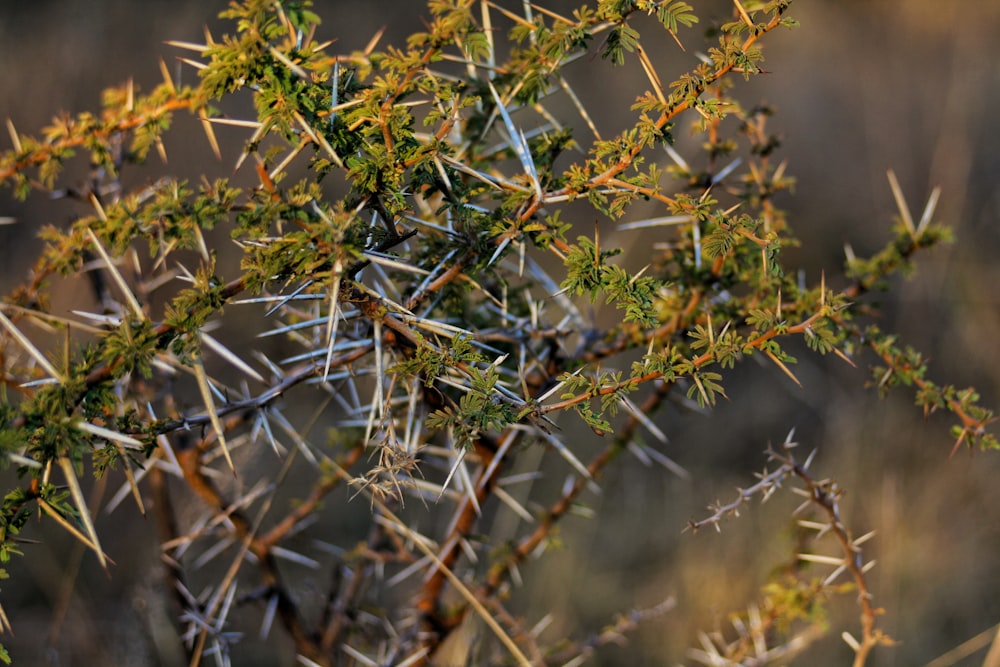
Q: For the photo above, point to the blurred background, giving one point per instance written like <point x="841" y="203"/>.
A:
<point x="860" y="87"/>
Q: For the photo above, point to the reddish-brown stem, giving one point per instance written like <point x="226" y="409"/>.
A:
<point x="500" y="571"/>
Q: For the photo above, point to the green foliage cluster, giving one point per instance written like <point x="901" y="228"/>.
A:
<point x="439" y="278"/>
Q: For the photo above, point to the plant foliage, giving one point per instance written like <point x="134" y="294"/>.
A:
<point x="402" y="218"/>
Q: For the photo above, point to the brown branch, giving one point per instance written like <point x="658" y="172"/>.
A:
<point x="306" y="507"/>
<point x="45" y="150"/>
<point x="668" y="115"/>
<point x="429" y="601"/>
<point x="697" y="363"/>
<point x="499" y="571"/>
<point x="307" y="642"/>
<point x="826" y="495"/>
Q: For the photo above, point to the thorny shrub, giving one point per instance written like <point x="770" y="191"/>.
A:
<point x="411" y="233"/>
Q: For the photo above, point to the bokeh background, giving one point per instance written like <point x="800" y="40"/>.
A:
<point x="860" y="87"/>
